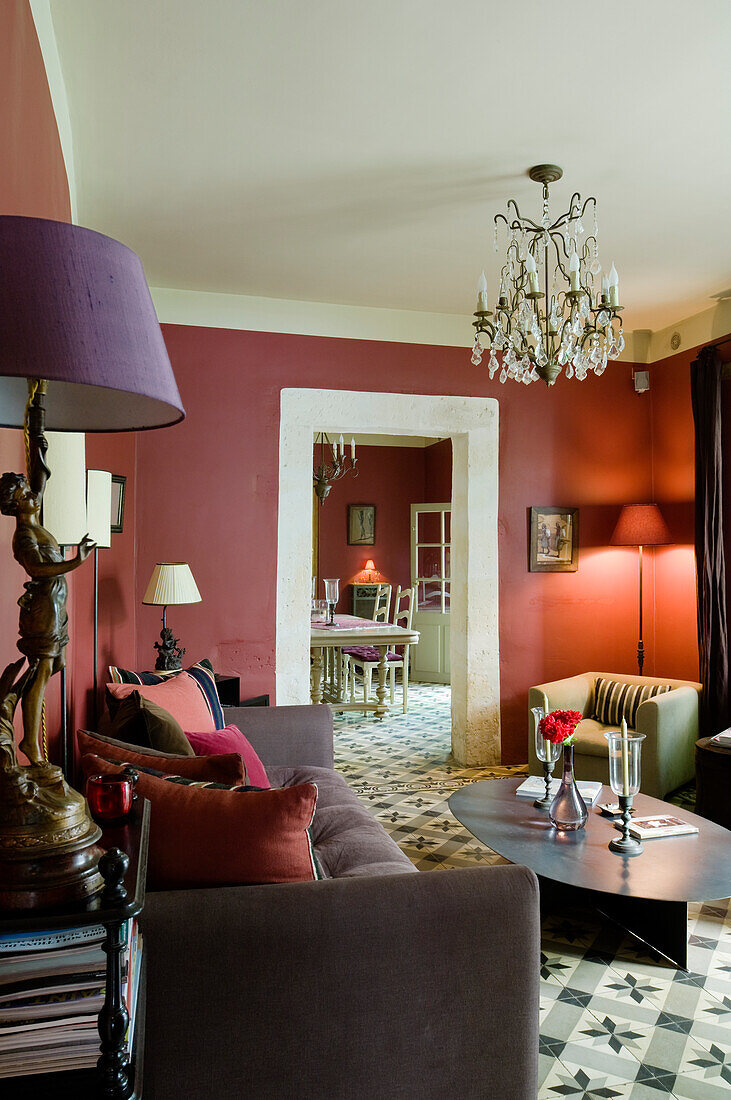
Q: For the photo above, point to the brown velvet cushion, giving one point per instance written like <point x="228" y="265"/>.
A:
<point x="140" y="721"/>
<point x="207" y="837"/>
<point x="225" y="768"/>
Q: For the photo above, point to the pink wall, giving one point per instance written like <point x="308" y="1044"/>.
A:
<point x="392" y="478"/>
<point x="208" y="495"/>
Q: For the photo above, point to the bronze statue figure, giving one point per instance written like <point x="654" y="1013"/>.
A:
<point x="47" y="839"/>
<point x="43" y="619"/>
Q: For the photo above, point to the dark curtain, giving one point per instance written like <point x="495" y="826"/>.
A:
<point x="705" y="387"/>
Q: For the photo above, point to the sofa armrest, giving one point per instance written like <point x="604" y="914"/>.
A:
<point x="573" y="693"/>
<point x="287" y="735"/>
<point x="351" y="989"/>
<point x="670" y="725"/>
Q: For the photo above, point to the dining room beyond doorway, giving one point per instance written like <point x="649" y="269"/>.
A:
<point x="470" y="427"/>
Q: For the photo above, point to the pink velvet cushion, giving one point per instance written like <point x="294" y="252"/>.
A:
<point x="231" y="739"/>
<point x="179" y="696"/>
<point x="369" y="653"/>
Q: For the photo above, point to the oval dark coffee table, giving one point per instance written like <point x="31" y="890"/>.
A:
<point x="647" y="894"/>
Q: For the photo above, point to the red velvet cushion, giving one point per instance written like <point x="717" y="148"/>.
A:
<point x="231" y="739"/>
<point x="180" y="696"/>
<point x="205" y="837"/>
<point x="228" y="768"/>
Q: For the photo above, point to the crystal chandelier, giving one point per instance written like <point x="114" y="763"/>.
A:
<point x="569" y="325"/>
<point x="333" y="464"/>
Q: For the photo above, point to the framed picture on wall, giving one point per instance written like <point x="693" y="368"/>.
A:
<point x="118" y="486"/>
<point x="361" y="524"/>
<point x="554" y="540"/>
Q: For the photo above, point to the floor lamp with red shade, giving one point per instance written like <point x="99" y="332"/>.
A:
<point x="641" y="525"/>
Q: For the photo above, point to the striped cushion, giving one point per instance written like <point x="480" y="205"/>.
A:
<point x="202" y="673"/>
<point x="615" y="700"/>
<point x="185" y="781"/>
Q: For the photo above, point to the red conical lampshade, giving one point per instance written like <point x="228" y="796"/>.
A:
<point x="640" y="525"/>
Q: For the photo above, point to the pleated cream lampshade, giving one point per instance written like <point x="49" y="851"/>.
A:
<point x="171" y="583"/>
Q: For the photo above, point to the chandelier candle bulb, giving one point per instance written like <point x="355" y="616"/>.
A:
<point x="605" y="288"/>
<point x="530" y="267"/>
<point x="574" y="271"/>
<point x="352" y="450"/>
<point x="482" y="303"/>
<point x="625" y="759"/>
<point x="613" y="282"/>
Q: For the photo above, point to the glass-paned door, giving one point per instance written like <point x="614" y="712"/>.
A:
<point x="431" y="573"/>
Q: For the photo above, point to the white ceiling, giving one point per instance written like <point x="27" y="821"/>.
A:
<point x="334" y="151"/>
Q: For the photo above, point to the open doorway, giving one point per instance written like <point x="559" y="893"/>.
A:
<point x="472" y="426"/>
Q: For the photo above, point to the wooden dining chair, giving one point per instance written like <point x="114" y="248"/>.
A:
<point x="363" y="660"/>
<point x="381" y="610"/>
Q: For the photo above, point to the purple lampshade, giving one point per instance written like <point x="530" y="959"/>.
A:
<point x="76" y="310"/>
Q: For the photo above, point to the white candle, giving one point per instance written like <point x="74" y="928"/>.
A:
<point x="605" y="287"/>
<point x="482" y="304"/>
<point x="352" y="450"/>
<point x="574" y="271"/>
<point x="335" y="450"/>
<point x="342" y="444"/>
<point x="625" y="759"/>
<point x="613" y="282"/>
<point x="530" y="267"/>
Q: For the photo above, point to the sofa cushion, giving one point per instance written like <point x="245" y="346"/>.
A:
<point x="590" y="739"/>
<point x="348" y="841"/>
<point x="208" y="837"/>
<point x="225" y="768"/>
<point x="201" y="672"/>
<point x="615" y="700"/>
<point x="140" y="721"/>
<point x="180" y="696"/>
<point x="231" y="739"/>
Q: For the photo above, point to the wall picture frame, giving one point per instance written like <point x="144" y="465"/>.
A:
<point x="361" y="524"/>
<point x="554" y="539"/>
<point x="119" y="484"/>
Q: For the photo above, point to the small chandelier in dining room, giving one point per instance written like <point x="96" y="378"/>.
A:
<point x="333" y="465"/>
<point x="569" y="325"/>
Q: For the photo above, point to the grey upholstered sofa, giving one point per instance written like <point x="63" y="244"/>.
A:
<point x="378" y="984"/>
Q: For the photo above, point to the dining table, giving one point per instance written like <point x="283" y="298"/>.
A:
<point x="326" y="671"/>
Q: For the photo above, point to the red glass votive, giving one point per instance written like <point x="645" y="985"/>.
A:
<point x="110" y="796"/>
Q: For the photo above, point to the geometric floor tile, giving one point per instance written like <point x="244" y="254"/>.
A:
<point x="615" y="1021"/>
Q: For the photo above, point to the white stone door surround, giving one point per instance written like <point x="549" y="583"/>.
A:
<point x="472" y="425"/>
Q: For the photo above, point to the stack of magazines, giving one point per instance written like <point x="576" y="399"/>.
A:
<point x="52" y="987"/>
<point x="723" y="739"/>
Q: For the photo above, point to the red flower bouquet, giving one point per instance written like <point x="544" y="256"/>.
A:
<point x="559" y="726"/>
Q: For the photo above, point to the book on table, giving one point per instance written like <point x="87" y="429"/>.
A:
<point x="648" y="828"/>
<point x="52" y="987"/>
<point x="723" y="739"/>
<point x="535" y="787"/>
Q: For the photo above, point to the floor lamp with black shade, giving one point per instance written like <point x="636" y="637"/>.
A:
<point x="80" y="351"/>
<point x="641" y="525"/>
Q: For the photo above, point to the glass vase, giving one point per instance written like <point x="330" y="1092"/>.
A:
<point x="568" y="810"/>
<point x="624" y="778"/>
<point x="548" y="753"/>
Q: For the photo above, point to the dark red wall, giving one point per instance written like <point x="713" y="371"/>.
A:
<point x="208" y="495"/>
<point x="392" y="478"/>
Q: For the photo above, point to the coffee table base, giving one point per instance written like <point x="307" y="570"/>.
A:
<point x="662" y="925"/>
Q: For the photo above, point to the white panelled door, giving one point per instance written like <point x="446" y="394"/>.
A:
<point x="431" y="573"/>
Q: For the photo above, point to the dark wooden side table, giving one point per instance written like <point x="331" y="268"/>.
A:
<point x="229" y="690"/>
<point x="713" y="782"/>
<point x="124" y="870"/>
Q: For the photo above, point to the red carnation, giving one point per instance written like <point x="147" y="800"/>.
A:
<point x="559" y="726"/>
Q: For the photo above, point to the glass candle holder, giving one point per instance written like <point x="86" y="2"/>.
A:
<point x="332" y="594"/>
<point x="548" y="753"/>
<point x="624" y="778"/>
<point x="111" y="797"/>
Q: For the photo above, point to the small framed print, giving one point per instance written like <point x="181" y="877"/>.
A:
<point x="554" y="540"/>
<point x="119" y="483"/>
<point x="361" y="524"/>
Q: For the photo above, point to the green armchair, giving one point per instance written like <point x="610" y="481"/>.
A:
<point x="669" y="723"/>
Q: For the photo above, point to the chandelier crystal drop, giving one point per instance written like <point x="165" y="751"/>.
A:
<point x="570" y="325"/>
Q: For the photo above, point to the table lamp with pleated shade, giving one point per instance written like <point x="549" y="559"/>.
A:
<point x="171" y="583"/>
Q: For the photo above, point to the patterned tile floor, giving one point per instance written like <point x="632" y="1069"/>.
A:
<point x="615" y="1023"/>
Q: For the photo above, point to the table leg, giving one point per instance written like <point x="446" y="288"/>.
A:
<point x="316" y="675"/>
<point x="661" y="924"/>
<point x="382" y="706"/>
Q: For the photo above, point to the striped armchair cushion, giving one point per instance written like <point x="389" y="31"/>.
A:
<point x="615" y="700"/>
